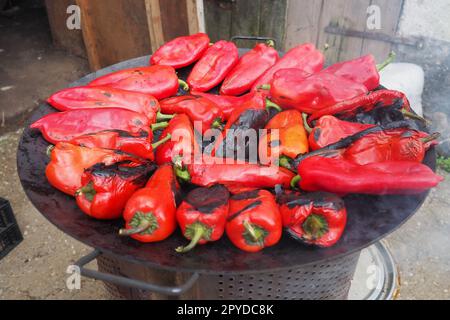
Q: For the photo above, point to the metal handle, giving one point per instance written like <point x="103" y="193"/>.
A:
<point x="255" y="38"/>
<point x="131" y="283"/>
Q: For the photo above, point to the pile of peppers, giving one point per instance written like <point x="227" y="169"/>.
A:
<point x="133" y="144"/>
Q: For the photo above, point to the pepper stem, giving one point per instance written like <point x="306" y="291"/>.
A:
<point x="270" y="104"/>
<point x="254" y="234"/>
<point x="144" y="225"/>
<point x="270" y="43"/>
<point x="159" y="125"/>
<point x="217" y="124"/>
<point x="305" y="123"/>
<point x="49" y="150"/>
<point x="411" y="115"/>
<point x="162" y="141"/>
<point x="295" y="180"/>
<point x="161" y="116"/>
<point x="182" y="174"/>
<point x="285" y="162"/>
<point x="264" y="87"/>
<point x="315" y="227"/>
<point x="389" y="60"/>
<point x="88" y="191"/>
<point x="183" y="84"/>
<point x="431" y="137"/>
<point x="199" y="231"/>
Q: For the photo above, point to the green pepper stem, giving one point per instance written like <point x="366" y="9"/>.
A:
<point x="411" y="115"/>
<point x="198" y="235"/>
<point x="285" y="162"/>
<point x="144" y="225"/>
<point x="305" y="123"/>
<point x="217" y="124"/>
<point x="431" y="137"/>
<point x="161" y="116"/>
<point x="182" y="174"/>
<point x="389" y="60"/>
<point x="159" y="125"/>
<point x="49" y="150"/>
<point x="295" y="180"/>
<point x="270" y="104"/>
<point x="162" y="141"/>
<point x="264" y="87"/>
<point x="183" y="84"/>
<point x="270" y="43"/>
<point x="315" y="227"/>
<point x="255" y="234"/>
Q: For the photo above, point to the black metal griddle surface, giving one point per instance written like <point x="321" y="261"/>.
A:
<point x="370" y="218"/>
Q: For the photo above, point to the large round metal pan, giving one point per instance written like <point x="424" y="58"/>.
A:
<point x="370" y="218"/>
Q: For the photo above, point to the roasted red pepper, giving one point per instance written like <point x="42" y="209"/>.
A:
<point x="68" y="162"/>
<point x="65" y="126"/>
<point x="212" y="171"/>
<point x="254" y="221"/>
<point x="150" y="212"/>
<point x="291" y="89"/>
<point x="250" y="116"/>
<point x="329" y="130"/>
<point x="105" y="97"/>
<point x="196" y="108"/>
<point x="292" y="138"/>
<point x="181" y="51"/>
<point x="202" y="215"/>
<point x="342" y="176"/>
<point x="304" y="57"/>
<point x="214" y="66"/>
<point x="390" y="145"/>
<point x="106" y="189"/>
<point x="363" y="104"/>
<point x="138" y="145"/>
<point x="362" y="70"/>
<point x="227" y="104"/>
<point x="317" y="218"/>
<point x="182" y="144"/>
<point x="158" y="81"/>
<point x="249" y="68"/>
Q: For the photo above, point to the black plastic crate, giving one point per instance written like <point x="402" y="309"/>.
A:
<point x="10" y="235"/>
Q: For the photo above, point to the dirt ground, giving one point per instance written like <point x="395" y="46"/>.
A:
<point x="30" y="69"/>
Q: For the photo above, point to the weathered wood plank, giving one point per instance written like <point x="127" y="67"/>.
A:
<point x="114" y="30"/>
<point x="174" y="18"/>
<point x="245" y="19"/>
<point x="154" y="23"/>
<point x="218" y="19"/>
<point x="70" y="40"/>
<point x="272" y="20"/>
<point x="196" y="18"/>
<point x="390" y="16"/>
<point x="302" y="22"/>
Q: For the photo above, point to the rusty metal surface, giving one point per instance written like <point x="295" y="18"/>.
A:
<point x="370" y="218"/>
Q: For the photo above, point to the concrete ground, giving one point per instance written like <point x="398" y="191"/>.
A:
<point x="30" y="70"/>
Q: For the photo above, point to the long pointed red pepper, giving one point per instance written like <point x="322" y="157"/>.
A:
<point x="158" y="81"/>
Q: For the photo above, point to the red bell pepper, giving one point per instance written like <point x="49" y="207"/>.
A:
<point x="138" y="145"/>
<point x="67" y="125"/>
<point x="211" y="171"/>
<point x="105" y="97"/>
<point x="181" y="51"/>
<point x="106" y="189"/>
<point x="341" y="176"/>
<point x="182" y="143"/>
<point x="158" y="81"/>
<point x="362" y="70"/>
<point x="196" y="108"/>
<point x="150" y="212"/>
<point x="214" y="66"/>
<point x="317" y="218"/>
<point x="202" y="215"/>
<point x="304" y="57"/>
<point x="254" y="221"/>
<point x="390" y="145"/>
<point x="227" y="104"/>
<point x="249" y="68"/>
<point x="329" y="130"/>
<point x="68" y="162"/>
<point x="290" y="89"/>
